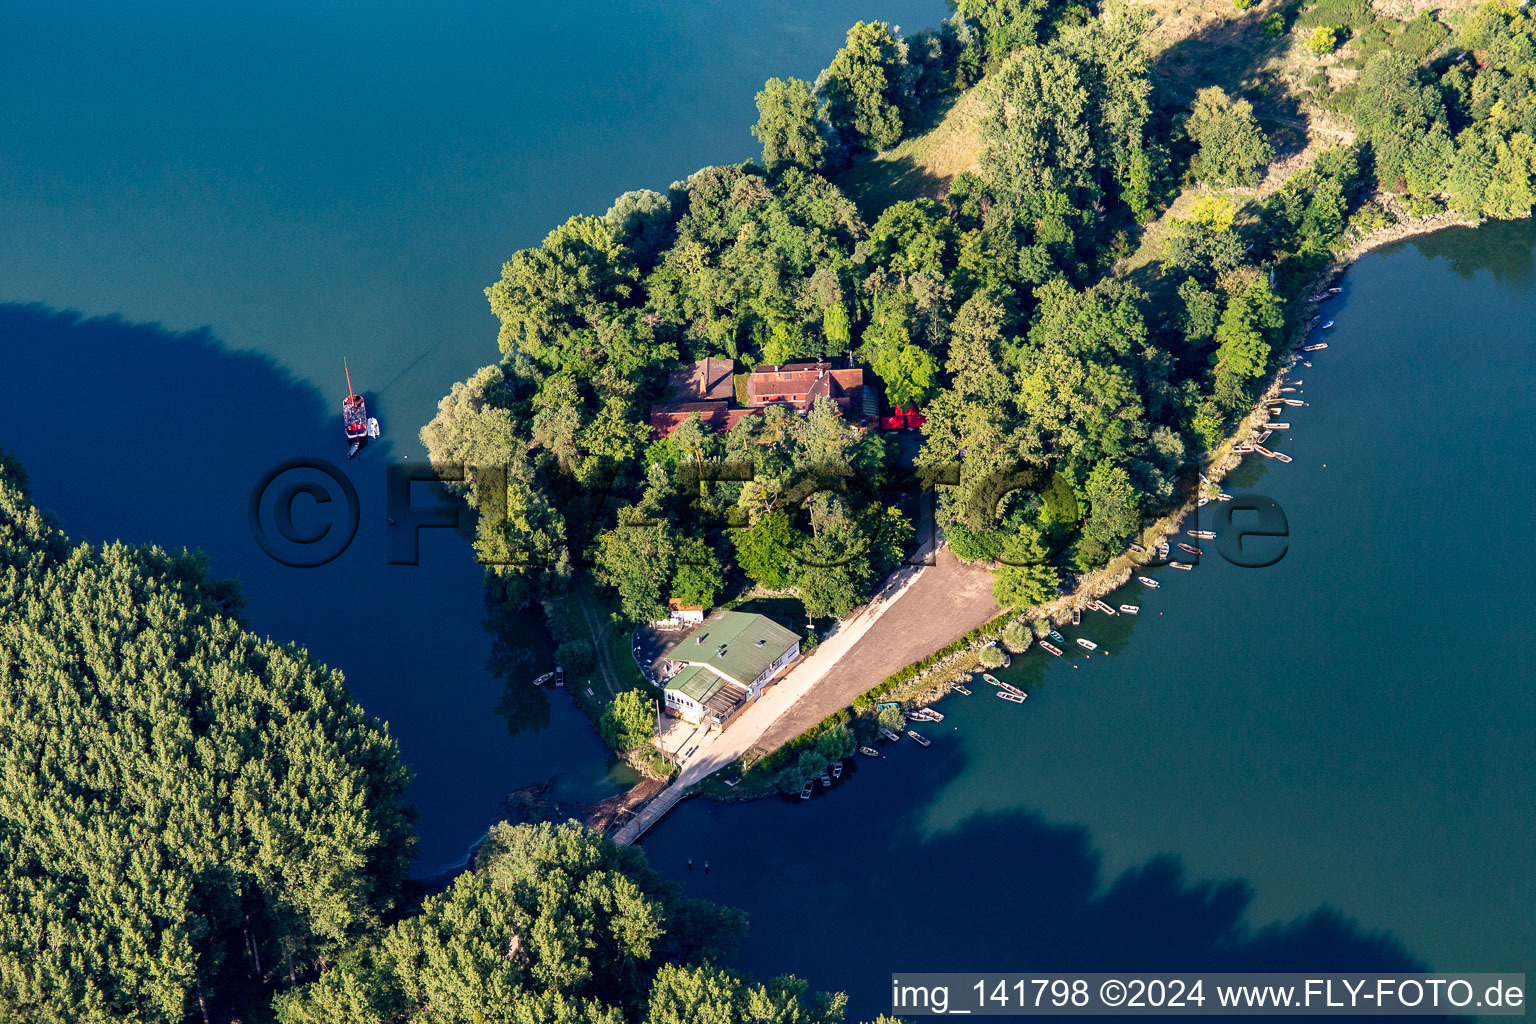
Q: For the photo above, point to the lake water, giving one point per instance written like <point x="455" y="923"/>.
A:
<point x="251" y="192"/>
<point x="1322" y="764"/>
<point x="1326" y="764"/>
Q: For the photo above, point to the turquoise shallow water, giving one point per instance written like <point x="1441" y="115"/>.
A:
<point x="1327" y="763"/>
<point x="256" y="191"/>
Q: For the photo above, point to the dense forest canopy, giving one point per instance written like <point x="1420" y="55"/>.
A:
<point x="180" y="801"/>
<point x="555" y="925"/>
<point x="194" y="820"/>
<point x="198" y="824"/>
<point x="993" y="306"/>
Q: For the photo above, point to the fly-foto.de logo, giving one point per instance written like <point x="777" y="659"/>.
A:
<point x="304" y="512"/>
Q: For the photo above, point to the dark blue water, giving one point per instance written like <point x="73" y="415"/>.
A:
<point x="1328" y="764"/>
<point x="250" y="193"/>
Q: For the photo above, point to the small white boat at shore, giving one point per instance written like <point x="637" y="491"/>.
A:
<point x="1242" y="449"/>
<point x="1282" y="457"/>
<point x="1016" y="698"/>
<point x="1203" y="534"/>
<point x="546" y="677"/>
<point x="1277" y="426"/>
<point x="1327" y="325"/>
<point x="921" y="740"/>
<point x="1131" y="609"/>
<point x="1051" y="647"/>
<point x="1181" y="565"/>
<point x="1088" y="645"/>
<point x="1148" y="581"/>
<point x="1315" y="348"/>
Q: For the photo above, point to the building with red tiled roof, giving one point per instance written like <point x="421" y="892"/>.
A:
<point x="706" y="389"/>
<point x="798" y="385"/>
<point x="707" y="380"/>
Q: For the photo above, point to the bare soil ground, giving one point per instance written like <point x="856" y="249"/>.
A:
<point x="615" y="810"/>
<point x="949" y="600"/>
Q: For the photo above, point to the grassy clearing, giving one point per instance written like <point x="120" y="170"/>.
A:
<point x="616" y="670"/>
<point x="923" y="165"/>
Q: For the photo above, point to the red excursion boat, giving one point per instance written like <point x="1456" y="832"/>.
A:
<point x="354" y="415"/>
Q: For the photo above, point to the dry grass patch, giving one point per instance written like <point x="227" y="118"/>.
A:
<point x="923" y="165"/>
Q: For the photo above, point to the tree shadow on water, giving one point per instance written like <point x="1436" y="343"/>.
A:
<point x="1506" y="248"/>
<point x="877" y="888"/>
<point x="130" y="431"/>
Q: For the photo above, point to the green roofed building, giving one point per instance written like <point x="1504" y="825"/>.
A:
<point x="726" y="662"/>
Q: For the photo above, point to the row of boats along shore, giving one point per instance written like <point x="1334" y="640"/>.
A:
<point x="1054" y="642"/>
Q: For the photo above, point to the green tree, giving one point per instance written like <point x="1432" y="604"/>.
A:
<point x="1324" y="39"/>
<point x="1005" y="24"/>
<point x="1394" y="110"/>
<point x="835" y="331"/>
<point x="762" y="549"/>
<point x="636" y="559"/>
<point x="549" y="298"/>
<point x="1023" y="579"/>
<point x="641" y="221"/>
<point x="833" y="574"/>
<point x="1017" y="637"/>
<point x="867" y="88"/>
<point x="1114" y="507"/>
<point x="176" y="794"/>
<point x="699" y="576"/>
<point x="788" y="125"/>
<point x="555" y="925"/>
<point x="1233" y="149"/>
<point x="908" y="371"/>
<point x="629" y="721"/>
<point x="1244" y="342"/>
<point x="714" y="995"/>
<point x="1039" y="154"/>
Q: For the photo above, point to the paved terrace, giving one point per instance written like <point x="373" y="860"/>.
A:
<point x="919" y="610"/>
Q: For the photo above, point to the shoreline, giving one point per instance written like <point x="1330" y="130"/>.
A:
<point x="938" y="680"/>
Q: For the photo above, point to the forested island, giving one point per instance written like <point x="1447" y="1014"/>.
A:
<point x="197" y="823"/>
<point x="1082" y="314"/>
